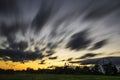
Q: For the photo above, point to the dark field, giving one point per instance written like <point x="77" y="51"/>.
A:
<point x="55" y="77"/>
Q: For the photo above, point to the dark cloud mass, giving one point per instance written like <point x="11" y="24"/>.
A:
<point x="36" y="29"/>
<point x="42" y="62"/>
<point x="88" y="55"/>
<point x="22" y="45"/>
<point x="49" y="53"/>
<point x="8" y="7"/>
<point x="52" y="58"/>
<point x="69" y="59"/>
<point x="99" y="44"/>
<point x="19" y="56"/>
<point x="108" y="6"/>
<point x="8" y="31"/>
<point x="79" y="41"/>
<point x="43" y="15"/>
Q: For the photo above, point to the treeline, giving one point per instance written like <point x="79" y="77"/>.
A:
<point x="108" y="68"/>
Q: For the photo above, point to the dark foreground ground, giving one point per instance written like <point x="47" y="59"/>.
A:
<point x="55" y="77"/>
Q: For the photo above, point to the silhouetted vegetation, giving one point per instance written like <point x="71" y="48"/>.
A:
<point x="108" y="69"/>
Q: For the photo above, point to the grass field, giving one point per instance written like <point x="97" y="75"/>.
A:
<point x="56" y="77"/>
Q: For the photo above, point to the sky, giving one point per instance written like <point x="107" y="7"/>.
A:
<point x="45" y="33"/>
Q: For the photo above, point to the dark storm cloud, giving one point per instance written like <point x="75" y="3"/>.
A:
<point x="42" y="62"/>
<point x="99" y="44"/>
<point x="50" y="49"/>
<point x="44" y="14"/>
<point x="49" y="53"/>
<point x="19" y="56"/>
<point x="114" y="60"/>
<point x="75" y="62"/>
<point x="22" y="45"/>
<point x="4" y="44"/>
<point x="88" y="55"/>
<point x="8" y="7"/>
<point x="9" y="31"/>
<point x="52" y="58"/>
<point x="52" y="45"/>
<point x="36" y="49"/>
<point x="63" y="60"/>
<point x="101" y="9"/>
<point x="69" y="59"/>
<point x="79" y="41"/>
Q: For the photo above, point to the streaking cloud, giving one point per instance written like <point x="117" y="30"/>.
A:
<point x="38" y="29"/>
